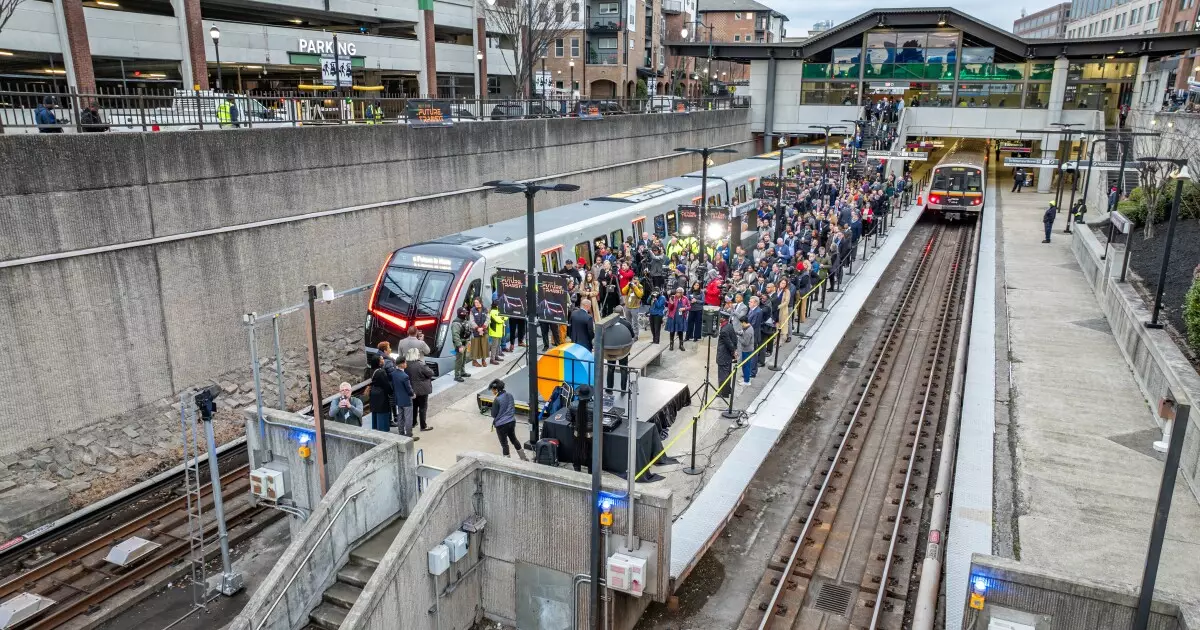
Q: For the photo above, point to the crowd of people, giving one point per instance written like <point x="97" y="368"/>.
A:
<point x="656" y="283"/>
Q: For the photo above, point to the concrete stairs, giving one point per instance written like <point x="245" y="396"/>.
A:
<point x="340" y="597"/>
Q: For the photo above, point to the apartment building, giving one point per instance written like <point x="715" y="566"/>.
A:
<point x="1045" y="24"/>
<point x="736" y="21"/>
<point x="1109" y="18"/>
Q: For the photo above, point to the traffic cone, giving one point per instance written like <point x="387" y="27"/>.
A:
<point x="920" y="200"/>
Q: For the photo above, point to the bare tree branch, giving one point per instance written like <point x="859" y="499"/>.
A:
<point x="542" y="22"/>
<point x="7" y="8"/>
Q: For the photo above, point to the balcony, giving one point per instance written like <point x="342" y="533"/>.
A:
<point x="611" y="24"/>
<point x="672" y="7"/>
<point x="602" y="58"/>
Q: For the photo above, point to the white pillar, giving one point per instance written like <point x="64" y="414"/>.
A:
<point x="64" y="43"/>
<point x="422" y="78"/>
<point x="185" y="57"/>
<point x="1058" y="91"/>
<point x="1139" y="82"/>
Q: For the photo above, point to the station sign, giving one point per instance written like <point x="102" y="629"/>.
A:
<point x="1119" y="222"/>
<point x="912" y="156"/>
<point x="1102" y="165"/>
<point x="336" y="71"/>
<point x="807" y="150"/>
<point x="1020" y="161"/>
<point x="428" y="113"/>
<point x="510" y="292"/>
<point x="1015" y="148"/>
<point x="553" y="298"/>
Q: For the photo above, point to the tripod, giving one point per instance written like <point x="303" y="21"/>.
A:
<point x="707" y="386"/>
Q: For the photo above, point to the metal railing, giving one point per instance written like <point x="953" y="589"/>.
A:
<point x="613" y="24"/>
<point x="144" y="111"/>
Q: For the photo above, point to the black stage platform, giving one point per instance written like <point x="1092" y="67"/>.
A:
<point x="658" y="400"/>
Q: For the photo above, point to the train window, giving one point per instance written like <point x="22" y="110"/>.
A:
<point x="600" y="242"/>
<point x="671" y="223"/>
<point x="584" y="251"/>
<point x="740" y="196"/>
<point x="618" y="237"/>
<point x="433" y="294"/>
<point x="639" y="227"/>
<point x="552" y="260"/>
<point x="399" y="289"/>
<point x="714" y="200"/>
<point x="957" y="179"/>
<point x="660" y="226"/>
<point x="472" y="293"/>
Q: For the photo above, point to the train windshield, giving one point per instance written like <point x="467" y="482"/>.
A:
<point x="957" y="179"/>
<point x="404" y="288"/>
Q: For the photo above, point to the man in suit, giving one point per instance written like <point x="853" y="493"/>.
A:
<point x="346" y="408"/>
<point x="402" y="394"/>
<point x="727" y="352"/>
<point x="581" y="328"/>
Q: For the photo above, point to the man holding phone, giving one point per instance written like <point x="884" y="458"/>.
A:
<point x="346" y="408"/>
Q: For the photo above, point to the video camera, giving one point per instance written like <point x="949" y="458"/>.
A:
<point x="206" y="401"/>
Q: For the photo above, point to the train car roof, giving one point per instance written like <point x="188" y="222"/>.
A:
<point x="483" y="237"/>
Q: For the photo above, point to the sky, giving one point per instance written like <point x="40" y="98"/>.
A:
<point x="802" y="14"/>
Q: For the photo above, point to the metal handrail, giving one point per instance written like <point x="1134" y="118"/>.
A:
<point x="311" y="551"/>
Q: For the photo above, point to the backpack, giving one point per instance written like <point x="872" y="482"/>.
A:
<point x="546" y="452"/>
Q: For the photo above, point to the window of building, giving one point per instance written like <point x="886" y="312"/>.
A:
<point x="574" y="11"/>
<point x="608" y="8"/>
<point x="574" y="46"/>
<point x="558" y="47"/>
<point x="737" y="38"/>
<point x="558" y="85"/>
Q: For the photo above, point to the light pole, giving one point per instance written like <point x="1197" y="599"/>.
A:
<point x="530" y="190"/>
<point x="702" y="228"/>
<point x="571" y="63"/>
<point x="482" y="87"/>
<point x="317" y="293"/>
<point x="779" y="212"/>
<point x="215" y="34"/>
<point x="543" y="80"/>
<point x="1180" y="175"/>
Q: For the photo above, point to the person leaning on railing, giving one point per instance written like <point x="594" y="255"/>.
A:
<point x="47" y="122"/>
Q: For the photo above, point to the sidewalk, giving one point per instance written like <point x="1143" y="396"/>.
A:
<point x="1086" y="477"/>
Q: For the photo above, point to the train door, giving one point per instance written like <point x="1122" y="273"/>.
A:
<point x="583" y="251"/>
<point x="639" y="227"/>
<point x="552" y="259"/>
<point x="617" y="237"/>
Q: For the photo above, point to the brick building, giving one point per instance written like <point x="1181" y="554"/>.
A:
<point x="735" y="21"/>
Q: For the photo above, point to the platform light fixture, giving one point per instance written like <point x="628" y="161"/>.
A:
<point x="5" y="53"/>
<point x="215" y="34"/>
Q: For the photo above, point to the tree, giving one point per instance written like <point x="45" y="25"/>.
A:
<point x="535" y="25"/>
<point x="7" y="8"/>
<point x="1178" y="139"/>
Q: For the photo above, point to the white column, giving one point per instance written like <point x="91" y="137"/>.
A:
<point x="421" y="64"/>
<point x="64" y="43"/>
<point x="1058" y="91"/>
<point x="185" y="56"/>
<point x="1139" y="82"/>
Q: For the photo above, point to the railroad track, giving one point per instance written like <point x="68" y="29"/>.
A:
<point x="80" y="580"/>
<point x="847" y="557"/>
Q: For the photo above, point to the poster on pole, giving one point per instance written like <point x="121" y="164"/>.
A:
<point x="689" y="219"/>
<point x="718" y="221"/>
<point x="791" y="189"/>
<point x="428" y="113"/>
<point x="768" y="188"/>
<point x="510" y="292"/>
<point x="552" y="298"/>
<point x="336" y="71"/>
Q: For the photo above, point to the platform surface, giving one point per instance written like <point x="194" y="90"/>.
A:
<point x="1086" y="478"/>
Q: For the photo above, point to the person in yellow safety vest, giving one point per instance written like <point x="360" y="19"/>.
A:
<point x="227" y="113"/>
<point x="496" y="323"/>
<point x="374" y="113"/>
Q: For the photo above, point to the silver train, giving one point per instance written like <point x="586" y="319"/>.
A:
<point x="422" y="285"/>
<point x="958" y="184"/>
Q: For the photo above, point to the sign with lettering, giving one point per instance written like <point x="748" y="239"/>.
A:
<point x="510" y="292"/>
<point x="791" y="188"/>
<point x="913" y="156"/>
<point x="1119" y="222"/>
<point x="1015" y="148"/>
<point x="553" y="298"/>
<point x="1018" y="161"/>
<point x="589" y="110"/>
<point x="1101" y="165"/>
<point x="336" y="71"/>
<point x="689" y="220"/>
<point x="717" y="215"/>
<point x="428" y="113"/>
<point x="682" y="107"/>
<point x="322" y="47"/>
<point x="768" y="188"/>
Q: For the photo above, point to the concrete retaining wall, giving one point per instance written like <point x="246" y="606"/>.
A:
<point x="537" y="518"/>
<point x="1018" y="592"/>
<point x="1158" y="366"/>
<point x="365" y="492"/>
<point x="159" y="306"/>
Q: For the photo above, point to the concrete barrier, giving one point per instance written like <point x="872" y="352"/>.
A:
<point x="129" y="260"/>
<point x="1158" y="366"/>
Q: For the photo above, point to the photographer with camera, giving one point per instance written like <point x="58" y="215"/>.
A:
<point x="346" y="408"/>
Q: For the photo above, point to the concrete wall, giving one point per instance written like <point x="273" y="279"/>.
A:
<point x="1158" y="365"/>
<point x="367" y="493"/>
<point x="127" y="281"/>
<point x="279" y="445"/>
<point x="1016" y="592"/>
<point x="536" y="517"/>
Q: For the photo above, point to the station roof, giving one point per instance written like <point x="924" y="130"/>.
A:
<point x="1156" y="45"/>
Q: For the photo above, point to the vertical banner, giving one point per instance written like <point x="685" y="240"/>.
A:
<point x="791" y="189"/>
<point x="631" y="17"/>
<point x="718" y="222"/>
<point x="510" y="292"/>
<point x="689" y="220"/>
<point x="552" y="297"/>
<point x="769" y="187"/>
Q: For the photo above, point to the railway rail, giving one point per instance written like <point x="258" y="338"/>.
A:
<point x="79" y="579"/>
<point x="847" y="556"/>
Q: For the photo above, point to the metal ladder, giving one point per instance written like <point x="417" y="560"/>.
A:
<point x="192" y="483"/>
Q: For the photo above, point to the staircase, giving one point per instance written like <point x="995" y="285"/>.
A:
<point x="340" y="597"/>
<point x="1112" y="149"/>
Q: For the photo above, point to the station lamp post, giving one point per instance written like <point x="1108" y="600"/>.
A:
<point x="704" y="154"/>
<point x="1064" y="129"/>
<point x="571" y="63"/>
<point x="1180" y="175"/>
<point x="317" y="293"/>
<point x="530" y="191"/>
<point x="825" y="154"/>
<point x="215" y="34"/>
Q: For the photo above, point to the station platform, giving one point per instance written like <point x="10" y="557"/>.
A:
<point x="1055" y="464"/>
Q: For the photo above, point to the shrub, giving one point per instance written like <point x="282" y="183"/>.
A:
<point x="1191" y="315"/>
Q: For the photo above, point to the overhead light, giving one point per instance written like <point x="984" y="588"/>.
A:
<point x="942" y="20"/>
<point x="296" y="21"/>
<point x="54" y="71"/>
<point x="155" y="75"/>
<point x="107" y="3"/>
<point x="309" y="69"/>
<point x="252" y="67"/>
<point x="5" y="53"/>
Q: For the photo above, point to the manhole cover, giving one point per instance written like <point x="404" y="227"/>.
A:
<point x="833" y="598"/>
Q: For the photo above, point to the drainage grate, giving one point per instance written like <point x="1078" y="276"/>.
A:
<point x="833" y="598"/>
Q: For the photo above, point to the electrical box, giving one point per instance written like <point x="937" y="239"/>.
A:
<point x="439" y="559"/>
<point x="268" y="483"/>
<point x="457" y="544"/>
<point x="626" y="574"/>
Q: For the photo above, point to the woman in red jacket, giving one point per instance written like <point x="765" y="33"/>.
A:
<point x="712" y="293"/>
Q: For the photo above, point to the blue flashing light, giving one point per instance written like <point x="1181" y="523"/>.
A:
<point x="301" y="437"/>
<point x="606" y="504"/>
<point x="606" y="501"/>
<point x="979" y="585"/>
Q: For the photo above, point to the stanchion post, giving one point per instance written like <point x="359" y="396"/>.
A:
<point x="692" y="470"/>
<point x="730" y="412"/>
<point x="775" y="360"/>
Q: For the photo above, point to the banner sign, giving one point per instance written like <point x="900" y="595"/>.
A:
<point x="510" y="292"/>
<point x="717" y="215"/>
<point x="552" y="297"/>
<point x="428" y="113"/>
<point x="336" y="71"/>
<point x="589" y="110"/>
<point x="689" y="219"/>
<point x="1015" y="148"/>
<point x="1017" y="161"/>
<point x="915" y="156"/>
<point x="769" y="188"/>
<point x="791" y="188"/>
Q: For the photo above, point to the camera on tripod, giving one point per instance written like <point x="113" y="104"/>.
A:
<point x="206" y="401"/>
